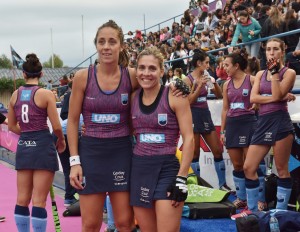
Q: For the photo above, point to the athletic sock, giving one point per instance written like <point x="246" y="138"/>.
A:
<point x="110" y="215"/>
<point x="22" y="218"/>
<point x="39" y="219"/>
<point x="261" y="193"/>
<point x="239" y="181"/>
<point x="262" y="167"/>
<point x="252" y="188"/>
<point x="220" y="169"/>
<point x="196" y="167"/>
<point x="284" y="189"/>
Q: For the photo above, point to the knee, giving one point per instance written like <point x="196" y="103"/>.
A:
<point x="249" y="170"/>
<point x="282" y="171"/>
<point x="124" y="225"/>
<point x="90" y="226"/>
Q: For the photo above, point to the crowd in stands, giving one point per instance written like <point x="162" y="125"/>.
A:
<point x="236" y="22"/>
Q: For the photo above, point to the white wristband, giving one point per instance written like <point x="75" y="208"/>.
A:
<point x="74" y="160"/>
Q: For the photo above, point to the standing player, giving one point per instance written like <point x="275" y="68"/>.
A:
<point x="158" y="182"/>
<point x="36" y="159"/>
<point x="202" y="121"/>
<point x="274" y="129"/>
<point x="101" y="93"/>
<point x="238" y="120"/>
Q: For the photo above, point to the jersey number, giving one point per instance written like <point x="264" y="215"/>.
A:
<point x="25" y="118"/>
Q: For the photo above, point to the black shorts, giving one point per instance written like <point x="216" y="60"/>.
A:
<point x="150" y="178"/>
<point x="239" y="130"/>
<point x="36" y="151"/>
<point x="105" y="163"/>
<point x="202" y="122"/>
<point x="272" y="127"/>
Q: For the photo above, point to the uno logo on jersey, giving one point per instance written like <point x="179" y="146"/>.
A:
<point x="124" y="98"/>
<point x="201" y="99"/>
<point x="152" y="138"/>
<point x="245" y="92"/>
<point x="106" y="118"/>
<point x="237" y="105"/>
<point x="25" y="95"/>
<point x="162" y="119"/>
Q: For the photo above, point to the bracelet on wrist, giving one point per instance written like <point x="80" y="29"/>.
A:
<point x="74" y="160"/>
<point x="222" y="132"/>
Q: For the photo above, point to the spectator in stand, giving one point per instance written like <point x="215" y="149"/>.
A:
<point x="221" y="72"/>
<point x="292" y="23"/>
<point x="272" y="26"/>
<point x="178" y="74"/>
<point x="253" y="66"/>
<point x="180" y="52"/>
<point x="249" y="28"/>
<point x="49" y="85"/>
<point x="167" y="35"/>
<point x="64" y="81"/>
<point x="3" y="120"/>
<point x="293" y="59"/>
<point x="71" y="76"/>
<point x="263" y="15"/>
<point x="169" y="76"/>
<point x="217" y="16"/>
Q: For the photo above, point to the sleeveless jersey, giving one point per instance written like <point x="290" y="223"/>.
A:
<point x="239" y="99"/>
<point x="157" y="132"/>
<point x="201" y="101"/>
<point x="29" y="115"/>
<point x="106" y="115"/>
<point x="265" y="88"/>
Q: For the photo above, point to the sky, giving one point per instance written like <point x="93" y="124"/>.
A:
<point x="26" y="25"/>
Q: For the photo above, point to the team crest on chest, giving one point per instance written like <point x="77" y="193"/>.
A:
<point x="162" y="119"/>
<point x="245" y="92"/>
<point x="124" y="98"/>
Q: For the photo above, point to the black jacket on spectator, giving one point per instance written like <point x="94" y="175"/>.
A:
<point x="65" y="107"/>
<point x="268" y="29"/>
<point x="294" y="38"/>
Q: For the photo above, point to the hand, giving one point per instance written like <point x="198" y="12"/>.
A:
<point x="76" y="176"/>
<point x="60" y="145"/>
<point x="182" y="86"/>
<point x="178" y="190"/>
<point x="83" y="129"/>
<point x="254" y="107"/>
<point x="290" y="97"/>
<point x="222" y="139"/>
<point x="273" y="65"/>
<point x="251" y="32"/>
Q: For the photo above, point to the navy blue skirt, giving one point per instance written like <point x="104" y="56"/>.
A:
<point x="202" y="122"/>
<point x="272" y="127"/>
<point x="150" y="178"/>
<point x="106" y="164"/>
<point x="36" y="150"/>
<point x="239" y="130"/>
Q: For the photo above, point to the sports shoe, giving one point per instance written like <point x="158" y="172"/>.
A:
<point x="2" y="218"/>
<point x="262" y="206"/>
<point x="243" y="213"/>
<point x="226" y="188"/>
<point x="240" y="204"/>
<point x="69" y="202"/>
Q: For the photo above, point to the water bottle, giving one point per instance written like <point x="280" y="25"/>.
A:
<point x="274" y="225"/>
<point x="209" y="83"/>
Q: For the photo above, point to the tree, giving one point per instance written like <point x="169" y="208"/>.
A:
<point x="5" y="62"/>
<point x="58" y="63"/>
